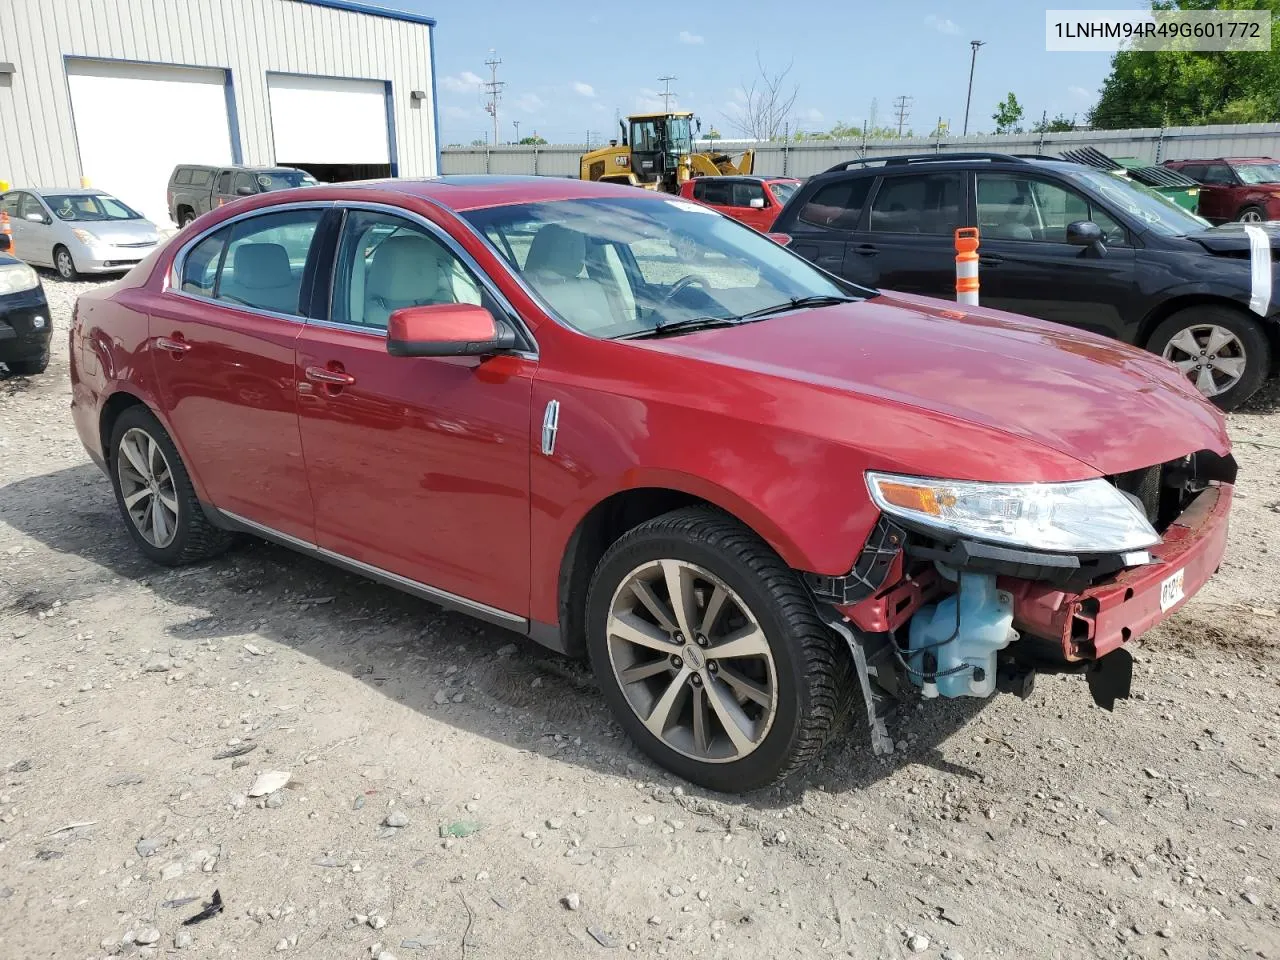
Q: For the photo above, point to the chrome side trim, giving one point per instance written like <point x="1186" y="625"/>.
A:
<point x="550" y="427"/>
<point x="444" y="598"/>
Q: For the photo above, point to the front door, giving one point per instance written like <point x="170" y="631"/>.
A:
<point x="419" y="466"/>
<point x="224" y="190"/>
<point x="751" y="204"/>
<point x="1218" y="191"/>
<point x="909" y="242"/>
<point x="223" y="349"/>
<point x="1025" y="264"/>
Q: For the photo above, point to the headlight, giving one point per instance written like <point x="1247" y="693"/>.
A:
<point x="16" y="277"/>
<point x="84" y="236"/>
<point x="1085" y="516"/>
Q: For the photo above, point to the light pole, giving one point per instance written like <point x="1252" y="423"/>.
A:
<point x="516" y="124"/>
<point x="975" y="44"/>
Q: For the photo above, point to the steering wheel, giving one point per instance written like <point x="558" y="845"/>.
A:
<point x="688" y="280"/>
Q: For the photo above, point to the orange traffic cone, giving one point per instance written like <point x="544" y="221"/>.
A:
<point x="7" y="230"/>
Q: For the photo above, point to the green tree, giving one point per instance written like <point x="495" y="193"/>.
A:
<point x="712" y="134"/>
<point x="479" y="142"/>
<point x="533" y="141"/>
<point x="1059" y="124"/>
<point x="1008" y="115"/>
<point x="1190" y="88"/>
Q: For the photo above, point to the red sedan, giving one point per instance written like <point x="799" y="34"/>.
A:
<point x="755" y="201"/>
<point x="630" y="429"/>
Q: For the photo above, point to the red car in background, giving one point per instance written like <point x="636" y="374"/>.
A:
<point x="753" y="494"/>
<point x="755" y="201"/>
<point x="1235" y="188"/>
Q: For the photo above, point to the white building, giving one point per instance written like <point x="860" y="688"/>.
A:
<point x="115" y="93"/>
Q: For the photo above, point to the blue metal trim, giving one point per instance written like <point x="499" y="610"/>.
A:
<point x="391" y="132"/>
<point x="435" y="100"/>
<point x="372" y="10"/>
<point x="228" y="89"/>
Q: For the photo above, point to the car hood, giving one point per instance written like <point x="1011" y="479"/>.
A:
<point x="1230" y="239"/>
<point x="1102" y="403"/>
<point x="118" y="231"/>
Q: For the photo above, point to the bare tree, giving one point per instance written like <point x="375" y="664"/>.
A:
<point x="766" y="104"/>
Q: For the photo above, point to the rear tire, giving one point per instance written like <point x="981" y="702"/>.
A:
<point x="794" y="660"/>
<point x="64" y="264"/>
<point x="187" y="535"/>
<point x="186" y="218"/>
<point x="29" y="368"/>
<point x="1183" y="336"/>
<point x="1251" y="215"/>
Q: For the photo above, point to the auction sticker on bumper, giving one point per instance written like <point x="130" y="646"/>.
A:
<point x="1171" y="590"/>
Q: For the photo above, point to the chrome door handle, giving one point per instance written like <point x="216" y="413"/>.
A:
<point x="172" y="346"/>
<point x="337" y="378"/>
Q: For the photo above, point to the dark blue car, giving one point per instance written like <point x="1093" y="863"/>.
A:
<point x="25" y="325"/>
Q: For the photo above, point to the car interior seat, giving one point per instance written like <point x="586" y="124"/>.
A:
<point x="261" y="276"/>
<point x="557" y="268"/>
<point x="407" y="270"/>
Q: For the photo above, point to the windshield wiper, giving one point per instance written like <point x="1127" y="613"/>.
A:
<point x="687" y="325"/>
<point x="795" y="303"/>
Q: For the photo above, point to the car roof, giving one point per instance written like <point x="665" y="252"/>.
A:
<point x="1224" y="160"/>
<point x="65" y="191"/>
<point x="884" y="166"/>
<point x="476" y="191"/>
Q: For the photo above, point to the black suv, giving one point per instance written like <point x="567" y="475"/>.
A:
<point x="1059" y="241"/>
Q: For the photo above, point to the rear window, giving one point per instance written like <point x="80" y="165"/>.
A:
<point x="182" y="176"/>
<point x="837" y="205"/>
<point x="925" y="204"/>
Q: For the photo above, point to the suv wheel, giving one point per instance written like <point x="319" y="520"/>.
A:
<point x="65" y="265"/>
<point x="186" y="218"/>
<point x="1223" y="352"/>
<point x="28" y="368"/>
<point x="709" y="652"/>
<point x="1251" y="215"/>
<point x="155" y="495"/>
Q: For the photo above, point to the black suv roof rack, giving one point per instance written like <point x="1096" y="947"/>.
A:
<point x="913" y="158"/>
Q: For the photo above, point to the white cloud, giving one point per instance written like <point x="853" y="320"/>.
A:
<point x="810" y="115"/>
<point x="1080" y="92"/>
<point x="585" y="89"/>
<point x="693" y="39"/>
<point x="530" y="103"/>
<point x="465" y="82"/>
<point x="941" y="24"/>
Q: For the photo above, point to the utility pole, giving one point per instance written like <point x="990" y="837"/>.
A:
<point x="516" y="124"/>
<point x="493" y="89"/>
<point x="973" y="61"/>
<point x="667" y="92"/>
<point x="903" y="106"/>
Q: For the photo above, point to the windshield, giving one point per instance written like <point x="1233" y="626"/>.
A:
<point x="621" y="267"/>
<point x="284" y="179"/>
<point x="680" y="137"/>
<point x="1154" y="209"/>
<point x="783" y="190"/>
<point x="90" y="207"/>
<point x="1258" y="172"/>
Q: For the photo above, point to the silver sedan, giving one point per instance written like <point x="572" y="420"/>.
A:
<point x="77" y="231"/>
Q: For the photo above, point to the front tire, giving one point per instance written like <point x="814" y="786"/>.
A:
<point x="1251" y="215"/>
<point x="155" y="496"/>
<point x="29" y="367"/>
<point x="710" y="654"/>
<point x="64" y="264"/>
<point x="1222" y="351"/>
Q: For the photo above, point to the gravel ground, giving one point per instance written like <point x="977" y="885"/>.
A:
<point x="454" y="791"/>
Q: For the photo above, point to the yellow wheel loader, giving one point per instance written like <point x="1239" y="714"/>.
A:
<point x="656" y="153"/>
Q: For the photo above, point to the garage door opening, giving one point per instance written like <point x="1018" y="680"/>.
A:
<point x="335" y="129"/>
<point x="135" y="122"/>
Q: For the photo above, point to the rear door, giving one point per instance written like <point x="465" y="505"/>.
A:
<point x="714" y="193"/>
<point x="1218" y="193"/>
<point x="909" y="241"/>
<point x="1026" y="266"/>
<point x="223" y="342"/>
<point x="33" y="231"/>
<point x="826" y="222"/>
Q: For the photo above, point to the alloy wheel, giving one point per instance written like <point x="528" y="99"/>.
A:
<point x="1251" y="216"/>
<point x="66" y="266"/>
<point x="147" y="487"/>
<point x="1210" y="356"/>
<point x="692" y="661"/>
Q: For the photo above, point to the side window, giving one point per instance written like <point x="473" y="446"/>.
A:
<point x="201" y="178"/>
<point x="746" y="191"/>
<point x="183" y="175"/>
<point x="200" y="269"/>
<point x="265" y="259"/>
<point x="720" y="194"/>
<point x="9" y="204"/>
<point x="224" y="182"/>
<point x="1012" y="207"/>
<point x="1193" y="170"/>
<point x="1219" y="174"/>
<point x="244" y="182"/>
<point x="922" y="203"/>
<point x="700" y="189"/>
<point x="386" y="263"/>
<point x="837" y="205"/>
<point x="30" y="206"/>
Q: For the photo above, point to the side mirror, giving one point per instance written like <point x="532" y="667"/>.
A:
<point x="446" y="330"/>
<point x="243" y="191"/>
<point x="5" y="243"/>
<point x="1086" y="233"/>
<point x="35" y="217"/>
<point x="756" y="203"/>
